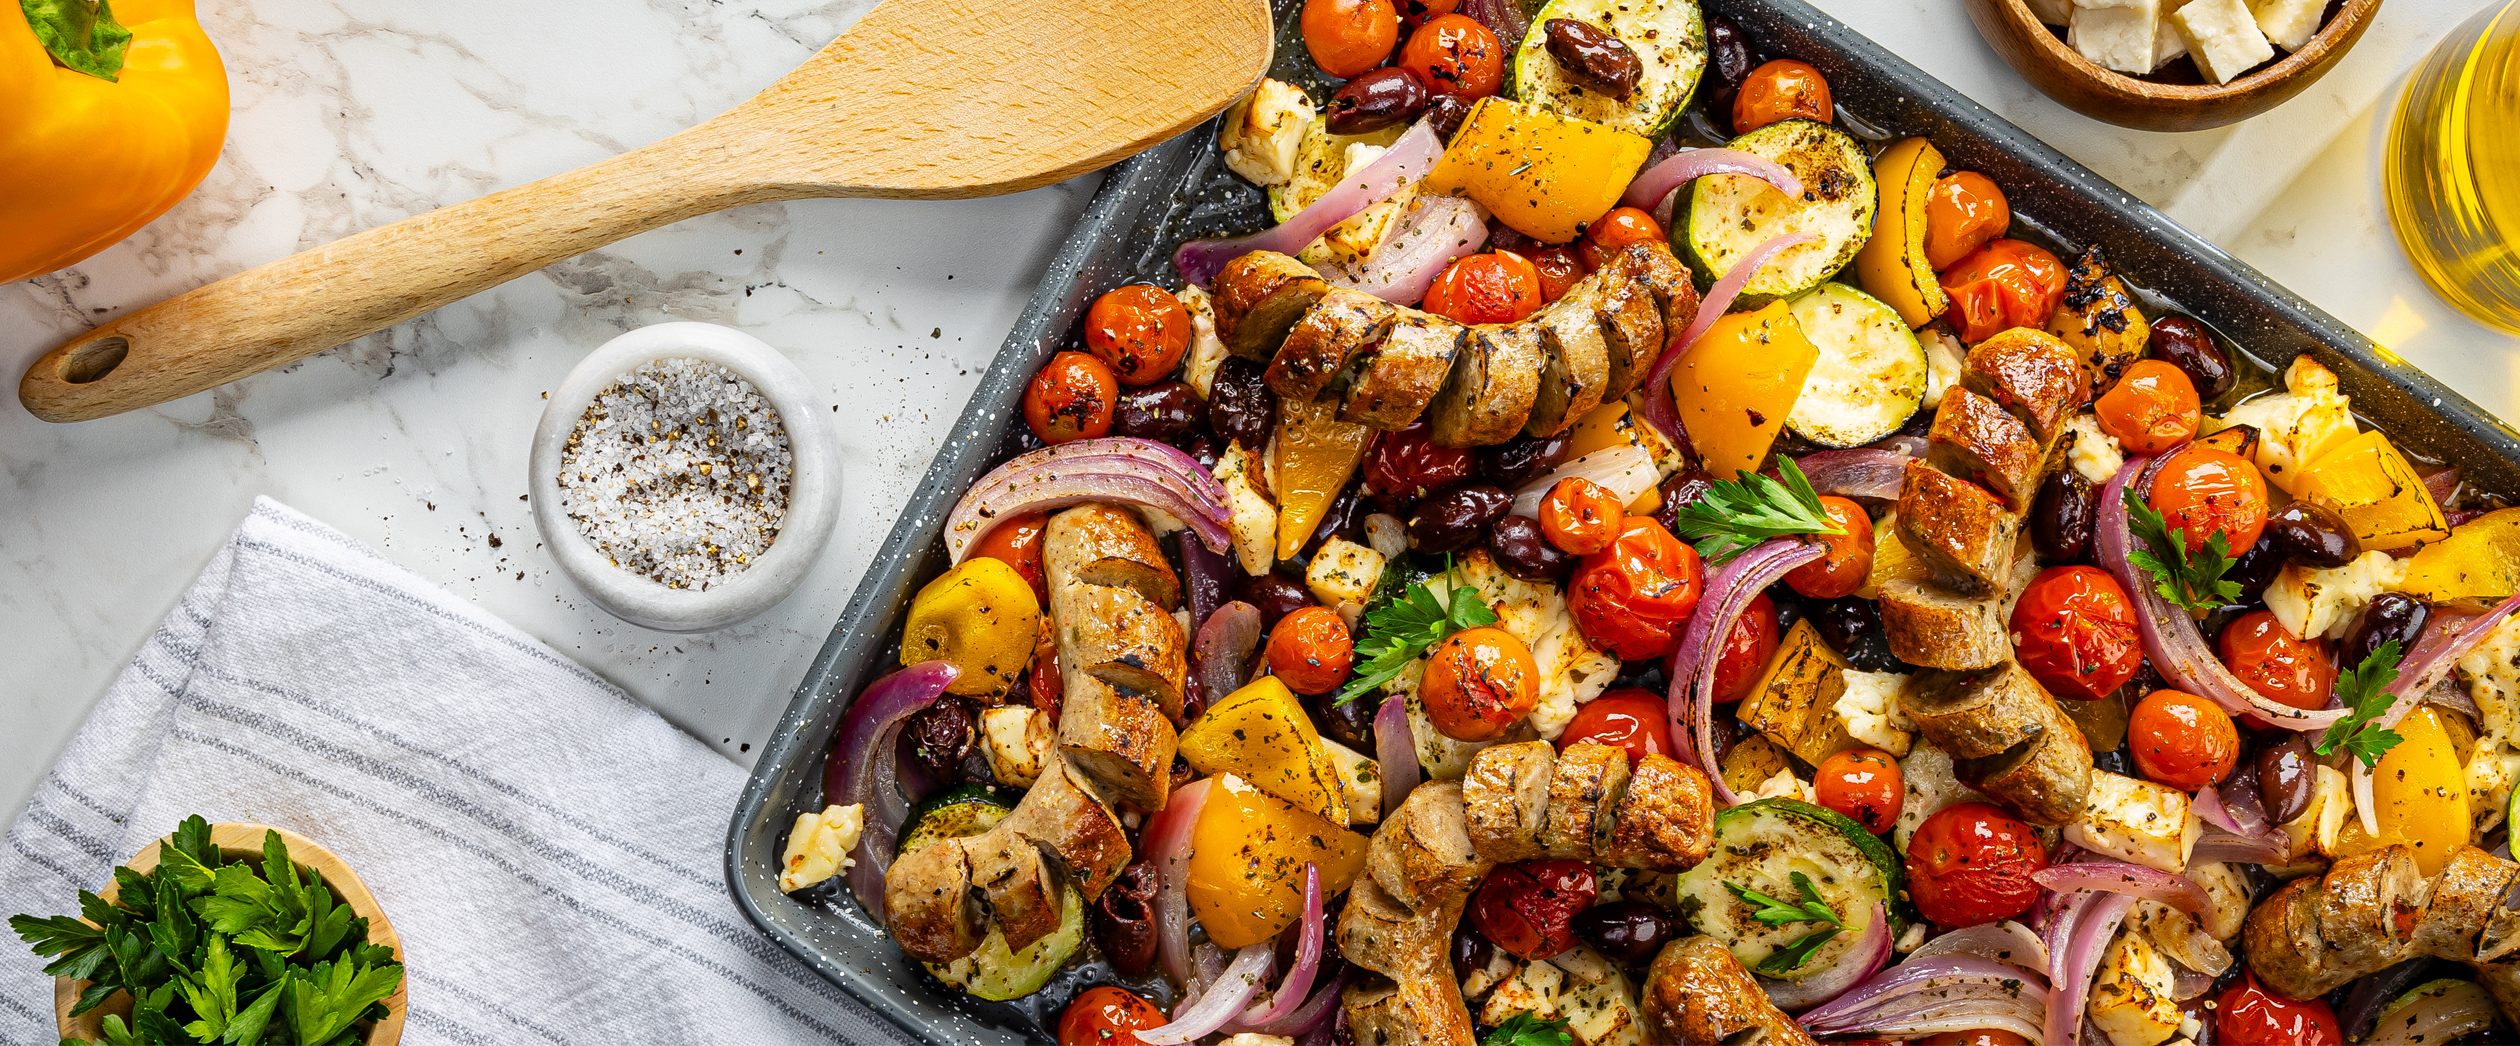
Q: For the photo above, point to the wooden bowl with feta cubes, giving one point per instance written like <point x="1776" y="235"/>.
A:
<point x="2137" y="63"/>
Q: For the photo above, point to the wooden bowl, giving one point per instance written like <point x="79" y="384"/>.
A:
<point x="2043" y="59"/>
<point x="245" y="841"/>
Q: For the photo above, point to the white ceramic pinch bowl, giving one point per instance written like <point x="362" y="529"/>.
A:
<point x="813" y="490"/>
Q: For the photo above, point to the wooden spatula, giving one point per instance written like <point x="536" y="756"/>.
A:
<point x="922" y="99"/>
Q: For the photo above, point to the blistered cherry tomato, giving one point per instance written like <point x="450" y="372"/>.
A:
<point x="2003" y="285"/>
<point x="2151" y="409"/>
<point x="2182" y="740"/>
<point x="1528" y="907"/>
<point x="1348" y="37"/>
<point x="1864" y="784"/>
<point x="1581" y="516"/>
<point x="1455" y="55"/>
<point x="2276" y="663"/>
<point x="2204" y="489"/>
<point x="1849" y="558"/>
<point x="1633" y="598"/>
<point x="1559" y="270"/>
<point x="1071" y="399"/>
<point x="1105" y="1016"/>
<point x="1141" y="330"/>
<point x="1746" y="650"/>
<point x="2247" y="1013"/>
<point x="1407" y="465"/>
<point x="1781" y="90"/>
<point x="1970" y="863"/>
<point x="1617" y="229"/>
<point x="1310" y="650"/>
<point x="1629" y="718"/>
<point x="1479" y="682"/>
<point x="1496" y="287"/>
<point x="1963" y="211"/>
<point x="2076" y="633"/>
<point x="1414" y="13"/>
<point x="1016" y="542"/>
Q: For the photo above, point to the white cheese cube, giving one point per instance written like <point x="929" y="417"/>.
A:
<point x="2130" y="994"/>
<point x="1253" y="519"/>
<point x="2053" y="12"/>
<point x="2095" y="454"/>
<point x="1343" y="572"/>
<point x="2315" y="603"/>
<point x="1360" y="780"/>
<point x="2311" y="417"/>
<point x="818" y="847"/>
<point x="2223" y="37"/>
<point x="1534" y="989"/>
<point x="1207" y="351"/>
<point x="2167" y="44"/>
<point x="2138" y="822"/>
<point x="2288" y="23"/>
<point x="2119" y="38"/>
<point x="1017" y="739"/>
<point x="1262" y="134"/>
<point x="1870" y="710"/>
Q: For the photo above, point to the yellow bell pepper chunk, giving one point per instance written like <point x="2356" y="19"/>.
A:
<point x="2368" y="483"/>
<point x="1545" y="175"/>
<point x="2419" y="793"/>
<point x="1892" y="265"/>
<point x="1261" y="734"/>
<point x="983" y="617"/>
<point x="1737" y="384"/>
<point x="2480" y="560"/>
<point x="1247" y="857"/>
<point x="1316" y="453"/>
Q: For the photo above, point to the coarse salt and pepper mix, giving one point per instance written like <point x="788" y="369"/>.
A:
<point x="679" y="472"/>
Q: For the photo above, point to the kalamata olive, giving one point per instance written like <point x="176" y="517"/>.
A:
<point x="1382" y="98"/>
<point x="1446" y="112"/>
<point x="1519" y="460"/>
<point x="1276" y="596"/>
<point x="1203" y="449"/>
<point x="1404" y="465"/>
<point x="2061" y="517"/>
<point x="2312" y="535"/>
<point x="1684" y="487"/>
<point x="1350" y="724"/>
<point x="975" y="768"/>
<point x="1452" y="520"/>
<point x="1729" y="60"/>
<point x="1845" y="622"/>
<point x="1593" y="57"/>
<point x="940" y="735"/>
<point x="1240" y="406"/>
<point x="1166" y="412"/>
<point x="1345" y="518"/>
<point x="1628" y="931"/>
<point x="2389" y="616"/>
<point x="2187" y="345"/>
<point x="1470" y="951"/>
<point x="2115" y="760"/>
<point x="2285" y="776"/>
<point x="1524" y="552"/>
<point x="1124" y="920"/>
<point x="2255" y="569"/>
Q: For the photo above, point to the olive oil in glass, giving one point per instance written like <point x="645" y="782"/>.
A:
<point x="2453" y="167"/>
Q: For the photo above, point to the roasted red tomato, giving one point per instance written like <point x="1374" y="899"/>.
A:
<point x="2247" y="1013"/>
<point x="1348" y="37"/>
<point x="1864" y="784"/>
<point x="1970" y="863"/>
<point x="2182" y="740"/>
<point x="1496" y="287"/>
<point x="2077" y="633"/>
<point x="2276" y="663"/>
<point x="1105" y="1016"/>
<point x="1781" y="90"/>
<point x="1747" y="649"/>
<point x="1849" y="558"/>
<point x="1071" y="399"/>
<point x="1581" y="517"/>
<point x="2203" y="489"/>
<point x="1479" y="682"/>
<point x="1406" y="465"/>
<point x="1617" y="229"/>
<point x="1526" y="907"/>
<point x="1634" y="599"/>
<point x="1141" y="330"/>
<point x="2005" y="284"/>
<point x="1016" y="541"/>
<point x="1633" y="719"/>
<point x="1964" y="211"/>
<point x="2151" y="409"/>
<point x="1455" y="55"/>
<point x="1559" y="270"/>
<point x="1310" y="649"/>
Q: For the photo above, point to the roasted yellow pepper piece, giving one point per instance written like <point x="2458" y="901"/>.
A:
<point x="2480" y="560"/>
<point x="1247" y="857"/>
<point x="2418" y="795"/>
<point x="982" y="617"/>
<point x="1892" y="265"/>
<point x="1737" y="383"/>
<point x="1261" y="734"/>
<point x="2368" y="483"/>
<point x="1316" y="453"/>
<point x="1544" y="175"/>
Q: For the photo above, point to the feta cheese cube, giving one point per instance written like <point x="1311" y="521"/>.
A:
<point x="818" y="847"/>
<point x="1533" y="989"/>
<point x="2138" y="822"/>
<point x="2130" y="994"/>
<point x="1870" y="710"/>
<point x="1360" y="780"/>
<point x="2116" y="37"/>
<point x="1262" y="134"/>
<point x="2223" y="37"/>
<point x="2167" y="44"/>
<point x="2316" y="603"/>
<point x="1253" y="517"/>
<point x="1343" y="572"/>
<point x="1017" y="740"/>
<point x="2288" y="23"/>
<point x="2095" y="454"/>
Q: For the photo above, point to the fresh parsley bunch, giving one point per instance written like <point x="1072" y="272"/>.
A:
<point x="1398" y="631"/>
<point x="2193" y="580"/>
<point x="2365" y="693"/>
<point x="1736" y="515"/>
<point x="213" y="951"/>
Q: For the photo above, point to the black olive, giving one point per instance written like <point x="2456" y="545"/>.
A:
<point x="1345" y="518"/>
<point x="1628" y="931"/>
<point x="2255" y="569"/>
<point x="1166" y="412"/>
<point x="1593" y="57"/>
<point x="2061" y="517"/>
<point x="975" y="768"/>
<point x="1452" y="520"/>
<point x="1729" y="59"/>
<point x="1381" y="98"/>
<point x="1526" y="553"/>
<point x="1845" y="623"/>
<point x="1445" y="112"/>
<point x="1684" y="487"/>
<point x="2285" y="777"/>
<point x="2312" y="535"/>
<point x="2389" y="616"/>
<point x="1470" y="951"/>
<point x="1522" y="459"/>
<point x="1124" y="920"/>
<point x="940" y="735"/>
<point x="1350" y="724"/>
<point x="1276" y="596"/>
<point x="2187" y="345"/>
<point x="1240" y="406"/>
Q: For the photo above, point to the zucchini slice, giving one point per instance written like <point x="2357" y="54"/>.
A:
<point x="1669" y="38"/>
<point x="995" y="974"/>
<point x="1729" y="215"/>
<point x="1758" y="846"/>
<point x="953" y="814"/>
<point x="1870" y="377"/>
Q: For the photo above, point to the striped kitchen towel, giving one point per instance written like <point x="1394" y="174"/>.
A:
<point x="549" y="849"/>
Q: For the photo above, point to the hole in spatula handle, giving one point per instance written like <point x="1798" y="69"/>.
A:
<point x="93" y="360"/>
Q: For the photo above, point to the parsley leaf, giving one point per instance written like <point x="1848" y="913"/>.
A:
<point x="1523" y="1029"/>
<point x="1736" y="515"/>
<point x="2364" y="691"/>
<point x="1773" y="912"/>
<point x="1397" y="633"/>
<point x="2192" y="580"/>
<point x="322" y="1003"/>
<point x="1792" y="956"/>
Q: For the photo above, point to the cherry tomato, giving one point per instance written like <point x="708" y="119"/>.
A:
<point x="1970" y="863"/>
<point x="1406" y="465"/>
<point x="1962" y="212"/>
<point x="1414" y="13"/>
<point x="1581" y="517"/>
<point x="1781" y="90"/>
<point x="2247" y="1013"/>
<point x="1348" y="37"/>
<point x="2204" y="489"/>
<point x="1497" y="287"/>
<point x="1105" y="1016"/>
<point x="2151" y="409"/>
<point x="2076" y="633"/>
<point x="1559" y="270"/>
<point x="1630" y="718"/>
<point x="2182" y="740"/>
<point x="2003" y="285"/>
<point x="1864" y="784"/>
<point x="1455" y="55"/>
<point x="1016" y="542"/>
<point x="2276" y="663"/>
<point x="1141" y="330"/>
<point x="1071" y="399"/>
<point x="1043" y="679"/>
<point x="1619" y="228"/>
<point x="1849" y="558"/>
<point x="1310" y="649"/>
<point x="1526" y="907"/>
<point x="1747" y="649"/>
<point x="1479" y="682"/>
<point x="1634" y="598"/>
<point x="1980" y="1037"/>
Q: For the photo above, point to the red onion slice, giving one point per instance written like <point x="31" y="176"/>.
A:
<point x="1408" y="158"/>
<point x="863" y="770"/>
<point x="1659" y="411"/>
<point x="1728" y="593"/>
<point x="1167" y="843"/>
<point x="1435" y="232"/>
<point x="1309" y="933"/>
<point x="1911" y="446"/>
<point x="1206" y="578"/>
<point x="1216" y="1007"/>
<point x="1905" y="999"/>
<point x="1112" y="469"/>
<point x="1864" y="474"/>
<point x="1395" y="752"/>
<point x="1627" y="471"/>
<point x="1656" y="183"/>
<point x="1224" y="648"/>
<point x="2443" y="486"/>
<point x="2120" y="877"/>
<point x="2070" y="968"/>
<point x="2004" y="942"/>
<point x="1505" y="18"/>
<point x="2436" y="654"/>
<point x="1870" y="954"/>
<point x="2215" y="844"/>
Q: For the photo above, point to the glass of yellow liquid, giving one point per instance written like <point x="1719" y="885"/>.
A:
<point x="2453" y="167"/>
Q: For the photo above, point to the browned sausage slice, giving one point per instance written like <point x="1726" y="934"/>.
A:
<point x="1697" y="993"/>
<point x="1399" y="377"/>
<point x="1666" y="822"/>
<point x="1576" y="368"/>
<point x="1584" y="793"/>
<point x="1120" y="739"/>
<point x="2006" y="737"/>
<point x="1078" y="826"/>
<point x="1505" y="796"/>
<point x="1258" y="297"/>
<point x="1495" y="377"/>
<point x="1124" y="639"/>
<point x="1105" y="545"/>
<point x="1963" y="533"/>
<point x="2030" y="373"/>
<point x="1973" y="438"/>
<point x="1631" y="330"/>
<point x="1022" y="893"/>
<point x="929" y="904"/>
<point x="1344" y="324"/>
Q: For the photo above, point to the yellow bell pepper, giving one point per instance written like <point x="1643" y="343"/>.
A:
<point x="1316" y="453"/>
<point x="102" y="141"/>
<point x="2418" y="795"/>
<point x="1892" y="265"/>
<point x="1247" y="857"/>
<point x="2370" y="485"/>
<point x="1544" y="175"/>
<point x="1737" y="383"/>
<point x="2480" y="560"/>
<point x="980" y="616"/>
<point x="1262" y="735"/>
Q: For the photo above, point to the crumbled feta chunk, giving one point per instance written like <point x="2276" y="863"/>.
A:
<point x="1533" y="989"/>
<point x="2223" y="37"/>
<point x="2137" y="821"/>
<point x="1261" y="135"/>
<point x="1207" y="351"/>
<point x="2095" y="454"/>
<point x="2167" y="44"/>
<point x="1783" y="785"/>
<point x="1944" y="359"/>
<point x="1253" y="517"/>
<point x="818" y="847"/>
<point x="2288" y="23"/>
<point x="1926" y="774"/>
<point x="1017" y="739"/>
<point x="2295" y="427"/>
<point x="2118" y="37"/>
<point x="1343" y="573"/>
<point x="2492" y="673"/>
<point x="1870" y="709"/>
<point x="2321" y="603"/>
<point x="2131" y="994"/>
<point x="1360" y="781"/>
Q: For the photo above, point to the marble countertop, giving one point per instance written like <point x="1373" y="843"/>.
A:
<point x="352" y="113"/>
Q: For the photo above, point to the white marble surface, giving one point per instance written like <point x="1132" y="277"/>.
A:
<point x="350" y="113"/>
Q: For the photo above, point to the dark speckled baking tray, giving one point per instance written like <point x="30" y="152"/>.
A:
<point x="1179" y="190"/>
